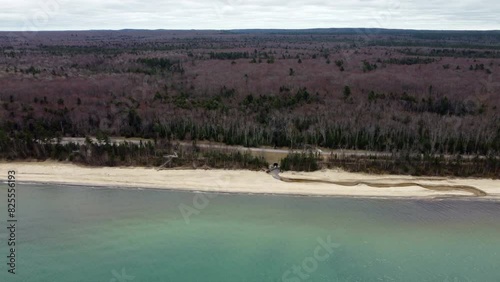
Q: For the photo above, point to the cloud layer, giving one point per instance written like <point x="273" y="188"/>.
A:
<point x="240" y="14"/>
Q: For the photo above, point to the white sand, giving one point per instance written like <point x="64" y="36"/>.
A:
<point x="242" y="181"/>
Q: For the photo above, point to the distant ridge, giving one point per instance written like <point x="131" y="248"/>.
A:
<point x="351" y="31"/>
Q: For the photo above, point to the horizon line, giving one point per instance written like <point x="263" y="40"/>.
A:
<point x="262" y="29"/>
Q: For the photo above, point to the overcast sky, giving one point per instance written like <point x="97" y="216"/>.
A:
<point x="240" y="14"/>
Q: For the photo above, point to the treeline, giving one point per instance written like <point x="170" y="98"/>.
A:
<point x="261" y="128"/>
<point x="410" y="61"/>
<point x="157" y="65"/>
<point x="301" y="162"/>
<point x="284" y="100"/>
<point x="65" y="50"/>
<point x="152" y="154"/>
<point x="433" y="44"/>
<point x="406" y="163"/>
<point x="294" y="132"/>
<point x="403" y="163"/>
<point x="188" y="101"/>
<point x="443" y="106"/>
<point x="229" y="55"/>
<point x="456" y="53"/>
<point x="104" y="153"/>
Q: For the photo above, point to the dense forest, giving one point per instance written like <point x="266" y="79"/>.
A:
<point x="430" y="99"/>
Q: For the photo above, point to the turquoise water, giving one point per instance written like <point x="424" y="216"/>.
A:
<point x="85" y="234"/>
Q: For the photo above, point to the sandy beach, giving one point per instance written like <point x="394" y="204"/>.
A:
<point x="321" y="183"/>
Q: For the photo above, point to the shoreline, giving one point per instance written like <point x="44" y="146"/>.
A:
<point x="327" y="183"/>
<point x="229" y="193"/>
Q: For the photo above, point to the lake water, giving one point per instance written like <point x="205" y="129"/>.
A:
<point x="114" y="235"/>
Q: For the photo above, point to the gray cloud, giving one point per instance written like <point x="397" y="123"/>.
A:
<point x="236" y="14"/>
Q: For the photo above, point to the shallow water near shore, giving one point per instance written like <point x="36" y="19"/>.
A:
<point x="99" y="234"/>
